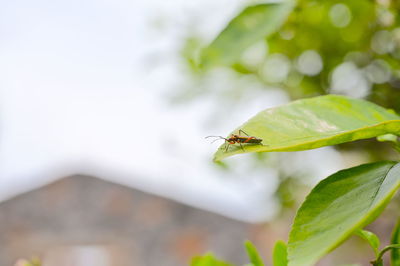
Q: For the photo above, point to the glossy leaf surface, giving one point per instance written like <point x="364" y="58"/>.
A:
<point x="312" y="123"/>
<point x="251" y="25"/>
<point x="338" y="206"/>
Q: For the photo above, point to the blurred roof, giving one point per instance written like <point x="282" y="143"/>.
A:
<point x="141" y="228"/>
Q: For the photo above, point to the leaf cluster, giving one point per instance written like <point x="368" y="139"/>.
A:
<point x="310" y="47"/>
<point x="345" y="202"/>
<point x="321" y="47"/>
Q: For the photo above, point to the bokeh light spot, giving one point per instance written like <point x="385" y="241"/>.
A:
<point x="382" y="42"/>
<point x="349" y="80"/>
<point x="378" y="71"/>
<point x="340" y="15"/>
<point x="309" y="63"/>
<point x="276" y="68"/>
<point x="255" y="54"/>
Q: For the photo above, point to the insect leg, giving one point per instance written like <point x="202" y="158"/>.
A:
<point x="241" y="131"/>
<point x="227" y="146"/>
<point x="241" y="146"/>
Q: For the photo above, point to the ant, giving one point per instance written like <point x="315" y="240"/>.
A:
<point x="233" y="139"/>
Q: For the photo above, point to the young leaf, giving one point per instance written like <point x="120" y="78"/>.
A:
<point x="395" y="253"/>
<point x="208" y="260"/>
<point x="312" y="123"/>
<point x="279" y="255"/>
<point x="338" y="206"/>
<point x="251" y="25"/>
<point x="255" y="258"/>
<point x="371" y="238"/>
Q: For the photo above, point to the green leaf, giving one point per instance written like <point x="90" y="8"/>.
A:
<point x="208" y="260"/>
<point x="371" y="238"/>
<point x="312" y="123"/>
<point x="252" y="252"/>
<point x="279" y="255"/>
<point x="253" y="24"/>
<point x="395" y="253"/>
<point x="338" y="206"/>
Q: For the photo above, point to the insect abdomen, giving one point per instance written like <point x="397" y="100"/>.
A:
<point x="249" y="140"/>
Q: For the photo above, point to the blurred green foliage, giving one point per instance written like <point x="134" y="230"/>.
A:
<point x="321" y="47"/>
<point x="252" y="252"/>
<point x="279" y="255"/>
<point x="208" y="260"/>
<point x="252" y="24"/>
<point x="395" y="253"/>
<point x="254" y="257"/>
<point x="343" y="47"/>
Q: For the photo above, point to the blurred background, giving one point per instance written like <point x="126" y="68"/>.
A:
<point x="104" y="109"/>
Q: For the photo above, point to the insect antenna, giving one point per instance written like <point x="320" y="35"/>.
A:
<point x="217" y="138"/>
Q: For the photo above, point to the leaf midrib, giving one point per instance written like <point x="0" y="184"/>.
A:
<point x="379" y="186"/>
<point x="343" y="132"/>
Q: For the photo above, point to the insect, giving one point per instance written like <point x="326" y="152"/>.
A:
<point x="238" y="139"/>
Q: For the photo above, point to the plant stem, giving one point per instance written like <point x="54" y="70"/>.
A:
<point x="379" y="261"/>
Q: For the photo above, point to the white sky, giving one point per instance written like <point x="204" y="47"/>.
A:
<point x="79" y="94"/>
